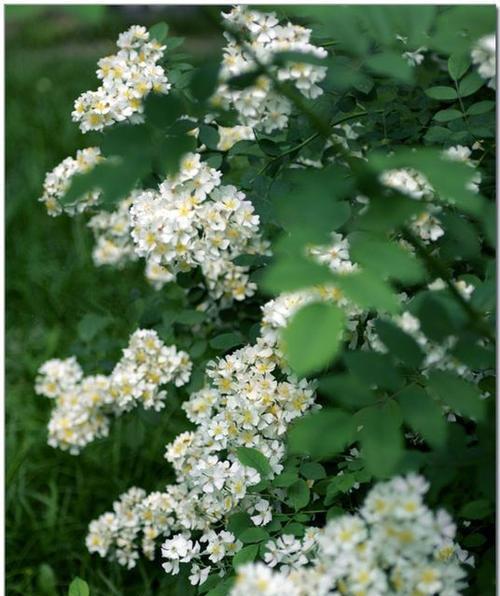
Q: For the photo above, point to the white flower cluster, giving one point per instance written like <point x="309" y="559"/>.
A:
<point x="484" y="56"/>
<point x="214" y="546"/>
<point x="58" y="181"/>
<point x="127" y="78"/>
<point x="114" y="244"/>
<point x="394" y="545"/>
<point x="258" y="105"/>
<point x="249" y="402"/>
<point x="86" y="404"/>
<point x="194" y="221"/>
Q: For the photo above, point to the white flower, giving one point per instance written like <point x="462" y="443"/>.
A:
<point x="416" y="57"/>
<point x="259" y="106"/>
<point x="127" y="77"/>
<point x="180" y="547"/>
<point x="198" y="575"/>
<point x="264" y="514"/>
<point x="484" y="55"/>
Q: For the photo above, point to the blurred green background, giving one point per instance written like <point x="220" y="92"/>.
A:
<point x="52" y="288"/>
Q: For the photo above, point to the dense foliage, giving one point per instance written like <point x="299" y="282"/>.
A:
<point x="316" y="218"/>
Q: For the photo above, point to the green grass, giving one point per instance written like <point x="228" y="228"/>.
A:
<point x="51" y="496"/>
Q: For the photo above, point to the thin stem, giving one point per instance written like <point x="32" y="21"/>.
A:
<point x="311" y="138"/>
<point x="462" y="109"/>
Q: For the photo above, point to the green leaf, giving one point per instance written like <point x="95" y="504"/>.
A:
<point x="437" y="135"/>
<point x="310" y="202"/>
<point x="374" y="369"/>
<point x="340" y="484"/>
<point x="312" y="338"/>
<point x="198" y="348"/>
<point x="174" y="42"/>
<point x="442" y="93"/>
<point x="461" y="241"/>
<point x="423" y="415"/>
<point x="384" y="257"/>
<point x="391" y="64"/>
<point x="125" y="140"/>
<point x="312" y="471"/>
<point x="381" y="438"/>
<point x="113" y="177"/>
<point x="474" y="541"/>
<point x="435" y="319"/>
<point x="347" y="390"/>
<point x="210" y="583"/>
<point x="162" y="110"/>
<point x="461" y="396"/>
<point x="489" y="222"/>
<point x="46" y="581"/>
<point x="469" y="351"/>
<point x="226" y="341"/>
<point x="253" y="458"/>
<point x="458" y="63"/>
<point x="209" y="136"/>
<point x="158" y="31"/>
<point x="447" y="115"/>
<point x="470" y="84"/>
<point x="298" y="495"/>
<point x="295" y="529"/>
<point x="386" y="213"/>
<point x="246" y="555"/>
<point x="294" y="273"/>
<point x="481" y="107"/>
<point x="334" y="512"/>
<point x="321" y="434"/>
<point x="223" y="589"/>
<point x="190" y="317"/>
<point x="239" y="522"/>
<point x="173" y="150"/>
<point x="484" y="296"/>
<point x="367" y="290"/>
<point x="78" y="587"/>
<point x="478" y="509"/>
<point x="205" y="80"/>
<point x="286" y="478"/>
<point x="91" y="325"/>
<point x="251" y="535"/>
<point x="400" y="344"/>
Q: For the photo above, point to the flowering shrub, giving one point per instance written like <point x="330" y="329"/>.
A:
<point x="317" y="206"/>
